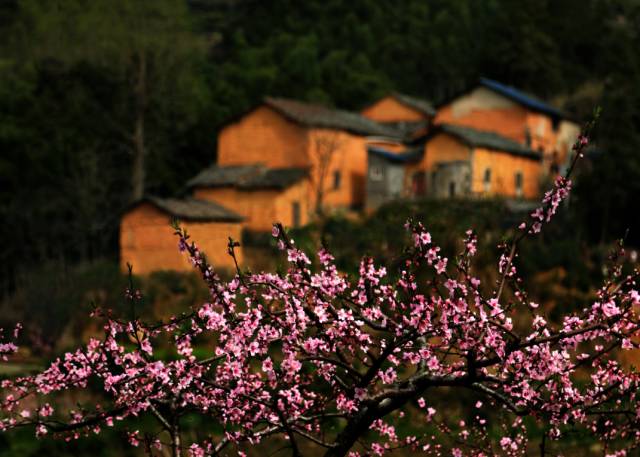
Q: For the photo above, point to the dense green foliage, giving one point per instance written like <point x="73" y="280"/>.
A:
<point x="69" y="102"/>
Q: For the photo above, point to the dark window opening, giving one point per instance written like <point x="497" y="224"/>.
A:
<point x="487" y="180"/>
<point x="519" y="180"/>
<point x="337" y="178"/>
<point x="452" y="189"/>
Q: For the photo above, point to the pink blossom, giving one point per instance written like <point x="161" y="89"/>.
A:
<point x="292" y="354"/>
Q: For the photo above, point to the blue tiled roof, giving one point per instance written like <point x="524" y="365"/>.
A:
<point x="525" y="99"/>
<point x="409" y="155"/>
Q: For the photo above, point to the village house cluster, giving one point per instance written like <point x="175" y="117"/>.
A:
<point x="289" y="161"/>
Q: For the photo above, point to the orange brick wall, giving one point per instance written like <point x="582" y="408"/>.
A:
<point x="443" y="148"/>
<point x="543" y="135"/>
<point x="263" y="136"/>
<point x="554" y="143"/>
<point x="509" y="122"/>
<point x="388" y="109"/>
<point x="262" y="207"/>
<point x="256" y="206"/>
<point x="284" y="204"/>
<point x="147" y="241"/>
<point x="503" y="167"/>
<point x="440" y="148"/>
<point x="350" y="159"/>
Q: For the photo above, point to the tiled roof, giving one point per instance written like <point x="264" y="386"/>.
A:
<point x="274" y="178"/>
<point x="409" y="155"/>
<point x="518" y="96"/>
<point x="408" y="129"/>
<point x="216" y="176"/>
<point x="193" y="209"/>
<point x="485" y="139"/>
<point x="418" y="104"/>
<point x="248" y="177"/>
<point x="313" y="115"/>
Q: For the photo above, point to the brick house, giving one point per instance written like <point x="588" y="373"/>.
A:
<point x="460" y="161"/>
<point x="411" y="116"/>
<point x="455" y="161"/>
<point x="148" y="243"/>
<point x="386" y="180"/>
<point x="488" y="140"/>
<point x="329" y="143"/>
<point x="495" y="107"/>
<point x="276" y="163"/>
<point x="285" y="160"/>
<point x="262" y="195"/>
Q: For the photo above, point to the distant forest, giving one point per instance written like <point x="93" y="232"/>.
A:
<point x="87" y="86"/>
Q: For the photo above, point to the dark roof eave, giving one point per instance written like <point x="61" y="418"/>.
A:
<point x="254" y="178"/>
<point x="373" y="129"/>
<point x="527" y="155"/>
<point x="157" y="203"/>
<point x="414" y="103"/>
<point x="462" y="135"/>
<point x="208" y="219"/>
<point x="199" y="185"/>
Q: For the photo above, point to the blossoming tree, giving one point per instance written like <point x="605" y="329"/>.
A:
<point x="328" y="363"/>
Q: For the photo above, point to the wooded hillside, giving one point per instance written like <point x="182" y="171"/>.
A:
<point x="96" y="96"/>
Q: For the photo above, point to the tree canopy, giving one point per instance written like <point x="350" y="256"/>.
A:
<point x="74" y="113"/>
<point x="317" y="363"/>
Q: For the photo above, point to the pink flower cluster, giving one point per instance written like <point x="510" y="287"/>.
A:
<point x="8" y="347"/>
<point x="296" y="354"/>
<point x="551" y="201"/>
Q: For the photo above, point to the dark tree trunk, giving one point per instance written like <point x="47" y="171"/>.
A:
<point x="176" y="442"/>
<point x="355" y="428"/>
<point x="358" y="425"/>
<point x="139" y="149"/>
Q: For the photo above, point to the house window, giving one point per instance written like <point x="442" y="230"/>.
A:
<point x="452" y="189"/>
<point x="486" y="181"/>
<point x="337" y="178"/>
<point x="519" y="180"/>
<point x="376" y="173"/>
<point x="295" y="216"/>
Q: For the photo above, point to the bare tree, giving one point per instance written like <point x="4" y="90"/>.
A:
<point x="326" y="145"/>
<point x="150" y="47"/>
